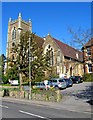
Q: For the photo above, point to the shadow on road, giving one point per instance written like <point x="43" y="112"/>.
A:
<point x="86" y="94"/>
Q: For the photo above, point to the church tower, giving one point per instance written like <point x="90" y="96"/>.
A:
<point x="13" y="36"/>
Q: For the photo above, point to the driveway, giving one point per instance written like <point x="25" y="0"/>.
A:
<point x="82" y="91"/>
<point x="78" y="96"/>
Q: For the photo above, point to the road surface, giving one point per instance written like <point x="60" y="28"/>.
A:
<point x="21" y="110"/>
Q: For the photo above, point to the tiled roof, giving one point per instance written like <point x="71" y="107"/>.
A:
<point x="89" y="43"/>
<point x="39" y="40"/>
<point x="68" y="51"/>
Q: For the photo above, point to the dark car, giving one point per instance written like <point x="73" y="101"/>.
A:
<point x="69" y="82"/>
<point x="76" y="79"/>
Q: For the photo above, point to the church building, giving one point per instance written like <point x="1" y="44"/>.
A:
<point x="13" y="36"/>
<point x="65" y="59"/>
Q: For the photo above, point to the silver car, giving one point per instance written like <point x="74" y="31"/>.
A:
<point x="58" y="83"/>
<point x="41" y="85"/>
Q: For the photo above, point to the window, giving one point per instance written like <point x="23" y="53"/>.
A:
<point x="77" y="55"/>
<point x="54" y="80"/>
<point x="14" y="34"/>
<point x="61" y="80"/>
<point x="88" y="51"/>
<point x="90" y="67"/>
<point x="52" y="59"/>
<point x="58" y="60"/>
<point x="58" y="69"/>
<point x="13" y="57"/>
<point x="13" y="44"/>
<point x="58" y="53"/>
<point x="49" y="46"/>
<point x="50" y="54"/>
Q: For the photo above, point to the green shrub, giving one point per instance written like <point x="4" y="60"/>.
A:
<point x="5" y="79"/>
<point x="53" y="76"/>
<point x="88" y="77"/>
<point x="11" y="89"/>
<point x="6" y="84"/>
<point x="37" y="90"/>
<point x="25" y="83"/>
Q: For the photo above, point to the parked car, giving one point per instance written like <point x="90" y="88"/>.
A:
<point x="13" y="82"/>
<point x="69" y="82"/>
<point x="90" y="101"/>
<point x="76" y="79"/>
<point x="41" y="85"/>
<point x="58" y="83"/>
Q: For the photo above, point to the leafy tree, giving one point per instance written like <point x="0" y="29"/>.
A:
<point x="28" y="50"/>
<point x="2" y="64"/>
<point x="12" y="73"/>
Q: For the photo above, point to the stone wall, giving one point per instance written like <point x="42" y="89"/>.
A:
<point x="43" y="95"/>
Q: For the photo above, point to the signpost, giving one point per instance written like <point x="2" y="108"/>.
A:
<point x="29" y="69"/>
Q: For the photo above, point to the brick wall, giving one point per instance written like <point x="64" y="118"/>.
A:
<point x="88" y="58"/>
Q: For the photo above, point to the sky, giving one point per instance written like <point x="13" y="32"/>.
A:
<point x="48" y="17"/>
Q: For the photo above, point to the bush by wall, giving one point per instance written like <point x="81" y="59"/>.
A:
<point x="88" y="77"/>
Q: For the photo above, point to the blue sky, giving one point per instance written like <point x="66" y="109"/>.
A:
<point x="48" y="17"/>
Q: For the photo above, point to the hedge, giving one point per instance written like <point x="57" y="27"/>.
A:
<point x="88" y="77"/>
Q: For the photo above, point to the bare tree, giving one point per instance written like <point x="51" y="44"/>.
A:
<point x="80" y="37"/>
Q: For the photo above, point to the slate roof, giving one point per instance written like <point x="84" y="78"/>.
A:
<point x="39" y="40"/>
<point x="69" y="51"/>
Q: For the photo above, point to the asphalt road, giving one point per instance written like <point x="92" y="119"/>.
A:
<point x="21" y="110"/>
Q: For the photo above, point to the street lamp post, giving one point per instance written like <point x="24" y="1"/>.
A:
<point x="29" y="69"/>
<point x="20" y="78"/>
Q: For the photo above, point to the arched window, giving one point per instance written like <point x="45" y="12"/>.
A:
<point x="49" y="52"/>
<point x="88" y="51"/>
<point x="52" y="58"/>
<point x="89" y="67"/>
<point x="13" y="57"/>
<point x="14" y="34"/>
<point x="49" y="46"/>
<point x="13" y="44"/>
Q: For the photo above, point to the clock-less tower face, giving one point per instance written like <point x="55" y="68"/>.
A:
<point x="13" y="35"/>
